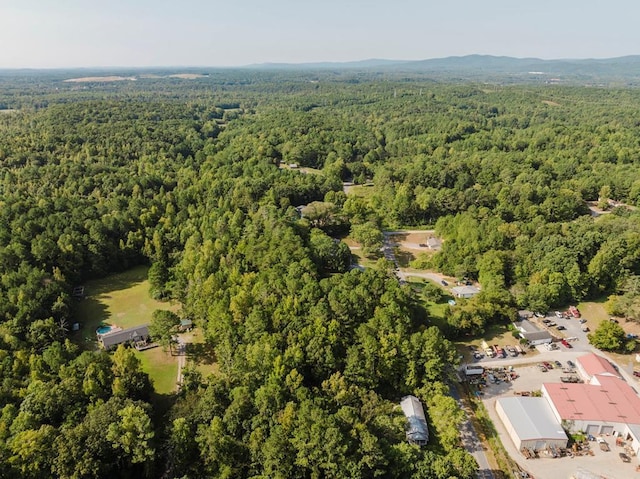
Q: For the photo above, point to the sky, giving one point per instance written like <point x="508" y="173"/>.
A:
<point x="94" y="33"/>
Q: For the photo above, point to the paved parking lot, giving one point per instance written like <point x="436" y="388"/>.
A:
<point x="606" y="464"/>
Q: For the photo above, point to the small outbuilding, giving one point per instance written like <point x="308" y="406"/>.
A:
<point x="531" y="423"/>
<point x="185" y="325"/>
<point x="417" y="429"/>
<point x="434" y="244"/>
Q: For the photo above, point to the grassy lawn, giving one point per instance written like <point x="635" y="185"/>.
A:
<point x="161" y="367"/>
<point x="593" y="311"/>
<point x="123" y="300"/>
<point x="360" y="258"/>
<point x="119" y="300"/>
<point x="495" y="334"/>
<point x="362" y="190"/>
<point x="436" y="310"/>
<point x="199" y="354"/>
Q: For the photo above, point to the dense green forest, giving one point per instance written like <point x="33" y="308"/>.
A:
<point x="313" y="356"/>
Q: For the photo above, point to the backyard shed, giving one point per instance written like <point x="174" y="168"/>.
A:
<point x="530" y="423"/>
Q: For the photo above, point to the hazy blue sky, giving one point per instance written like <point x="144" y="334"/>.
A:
<point x="63" y="33"/>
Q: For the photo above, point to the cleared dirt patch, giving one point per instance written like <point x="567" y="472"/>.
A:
<point x="550" y="103"/>
<point x="187" y="76"/>
<point x="99" y="79"/>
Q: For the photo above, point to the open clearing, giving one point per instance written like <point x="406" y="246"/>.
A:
<point x="161" y="367"/>
<point x="123" y="300"/>
<point x="187" y="76"/>
<point x="99" y="79"/>
<point x="120" y="300"/>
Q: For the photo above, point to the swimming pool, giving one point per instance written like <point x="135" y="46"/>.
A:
<point x="103" y="330"/>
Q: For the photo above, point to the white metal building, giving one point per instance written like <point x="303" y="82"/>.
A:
<point x="533" y="333"/>
<point x="530" y="422"/>
<point x="417" y="429"/>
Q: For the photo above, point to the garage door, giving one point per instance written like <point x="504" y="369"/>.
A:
<point x="593" y="429"/>
<point x="540" y="445"/>
<point x="606" y="430"/>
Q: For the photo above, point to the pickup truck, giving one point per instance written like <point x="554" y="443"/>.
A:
<point x="570" y="379"/>
<point x="603" y="444"/>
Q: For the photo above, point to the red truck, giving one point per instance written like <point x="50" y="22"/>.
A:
<point x="574" y="311"/>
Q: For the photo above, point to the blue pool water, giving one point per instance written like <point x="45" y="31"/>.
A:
<point x="103" y="329"/>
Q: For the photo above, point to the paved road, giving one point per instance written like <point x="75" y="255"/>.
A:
<point x="470" y="439"/>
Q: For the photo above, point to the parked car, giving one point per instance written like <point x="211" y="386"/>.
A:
<point x="444" y="283"/>
<point x="582" y="321"/>
<point x="585" y="329"/>
<point x="558" y="314"/>
<point x="636" y="374"/>
<point x="558" y="364"/>
<point x="624" y="457"/>
<point x="566" y="344"/>
<point x="547" y="365"/>
<point x="542" y="368"/>
<point x="546" y="321"/>
<point x="571" y="364"/>
<point x="560" y="327"/>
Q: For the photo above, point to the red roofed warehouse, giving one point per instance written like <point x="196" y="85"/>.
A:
<point x="607" y="405"/>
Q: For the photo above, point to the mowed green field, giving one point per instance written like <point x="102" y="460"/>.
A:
<point x="161" y="367"/>
<point x="123" y="300"/>
<point x="118" y="300"/>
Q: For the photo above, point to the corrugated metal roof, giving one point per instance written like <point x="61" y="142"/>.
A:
<point x="532" y="418"/>
<point x="418" y="431"/>
<point x="537" y="335"/>
<point x="594" y="364"/>
<point x="613" y="400"/>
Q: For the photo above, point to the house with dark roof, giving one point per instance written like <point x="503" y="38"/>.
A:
<point x="138" y="336"/>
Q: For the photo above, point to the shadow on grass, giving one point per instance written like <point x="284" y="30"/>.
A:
<point x="92" y="311"/>
<point x="404" y="258"/>
<point x="201" y="353"/>
<point x="162" y="403"/>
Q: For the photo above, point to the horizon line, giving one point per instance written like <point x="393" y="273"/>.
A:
<point x="320" y="62"/>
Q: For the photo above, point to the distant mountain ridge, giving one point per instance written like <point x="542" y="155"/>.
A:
<point x="626" y="67"/>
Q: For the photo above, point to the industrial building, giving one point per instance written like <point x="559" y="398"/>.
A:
<point x="591" y="365"/>
<point x="604" y="405"/>
<point x="531" y="423"/>
<point x="532" y="333"/>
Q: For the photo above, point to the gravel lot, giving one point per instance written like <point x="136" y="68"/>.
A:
<point x="607" y="464"/>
